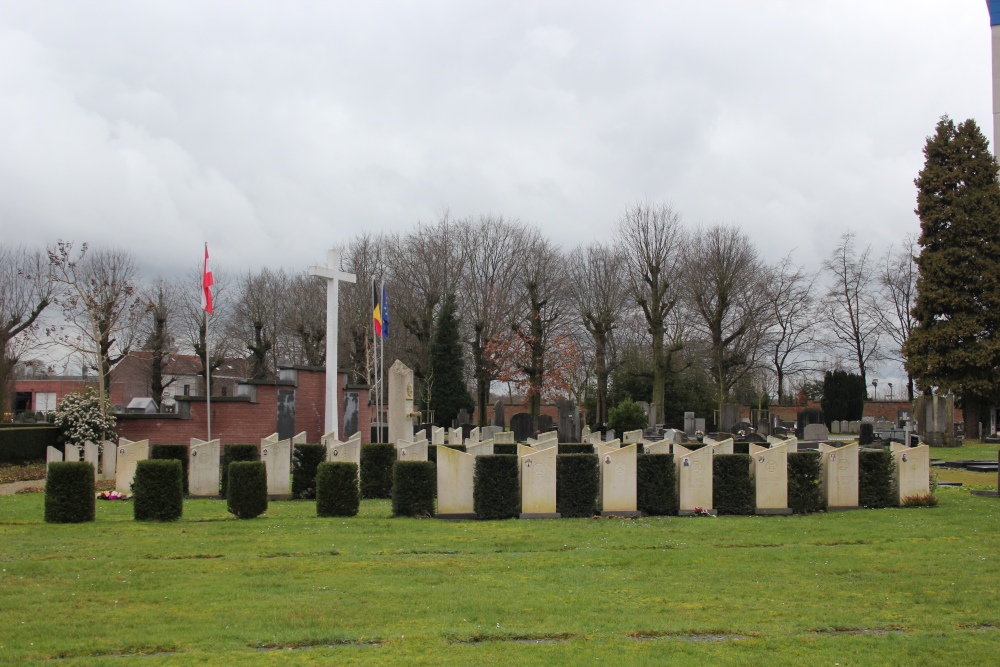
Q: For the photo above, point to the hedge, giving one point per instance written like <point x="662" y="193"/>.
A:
<point x="337" y="492"/>
<point x="577" y="484"/>
<point x="22" y="444"/>
<point x="804" y="492"/>
<point x="574" y="449"/>
<point x="305" y="462"/>
<point x="377" y="470"/>
<point x="413" y="487"/>
<point x="505" y="449"/>
<point x="231" y="453"/>
<point x="432" y="452"/>
<point x="656" y="484"/>
<point x="158" y="490"/>
<point x="732" y="486"/>
<point x="175" y="452"/>
<point x="496" y="493"/>
<point x="247" y="493"/>
<point x="875" y="471"/>
<point x="69" y="492"/>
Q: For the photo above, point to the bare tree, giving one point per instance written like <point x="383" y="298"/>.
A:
<point x="159" y="339"/>
<point x="199" y="333"/>
<point x="790" y="311"/>
<point x="364" y="256"/>
<point x="258" y="316"/>
<point x="649" y="237"/>
<point x="898" y="281"/>
<point x="852" y="310"/>
<point x="26" y="289"/>
<point x="305" y="320"/>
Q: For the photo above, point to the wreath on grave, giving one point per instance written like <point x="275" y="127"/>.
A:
<point x="111" y="495"/>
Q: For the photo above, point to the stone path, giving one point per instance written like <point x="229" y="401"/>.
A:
<point x="14" y="487"/>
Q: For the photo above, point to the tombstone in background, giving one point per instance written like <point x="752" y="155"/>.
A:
<point x="92" y="454"/>
<point x="522" y="427"/>
<point x="694" y="479"/>
<point x="912" y="474"/>
<point x="866" y="434"/>
<point x="805" y="417"/>
<point x="489" y="432"/>
<point x="352" y="404"/>
<point x="770" y="475"/>
<point x="567" y="420"/>
<point x="618" y="495"/>
<point x="729" y="418"/>
<point x="72" y="452"/>
<point x="835" y="426"/>
<point x="299" y="438"/>
<point x="854" y="426"/>
<point x="935" y="417"/>
<point x="128" y="456"/>
<point x="689" y="427"/>
<point x="109" y="460"/>
<point x="277" y="458"/>
<point x="585" y="434"/>
<point x="839" y="477"/>
<point x="498" y="415"/>
<point x="813" y="432"/>
<point x="660" y="447"/>
<point x="722" y="446"/>
<point x="474" y="436"/>
<point x="699" y="424"/>
<point x="609" y="435"/>
<point x="400" y="402"/>
<point x="455" y="475"/>
<point x="52" y="455"/>
<point x="544" y="423"/>
<point x="504" y="438"/>
<point x="203" y="468"/>
<point x="673" y="436"/>
<point x="455" y="436"/>
<point x="422" y="434"/>
<point x="437" y="436"/>
<point x="594" y="438"/>
<point x="538" y="484"/>
<point x="484" y="448"/>
<point x="611" y="444"/>
<point x="632" y="437"/>
<point x="286" y="413"/>
<point x="414" y="451"/>
<point x="463" y="417"/>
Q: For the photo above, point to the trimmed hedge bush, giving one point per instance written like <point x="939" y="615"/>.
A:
<point x="337" y="492"/>
<point x="377" y="472"/>
<point x="432" y="452"/>
<point x="69" y="493"/>
<point x="22" y="444"/>
<point x="414" y="484"/>
<point x="247" y="493"/>
<point x="158" y="490"/>
<point x="496" y="493"/>
<point x="574" y="448"/>
<point x="732" y="487"/>
<point x="231" y="453"/>
<point x="804" y="493"/>
<point x="505" y="449"/>
<point x="656" y="484"/>
<point x="305" y="462"/>
<point x="175" y="452"/>
<point x="577" y="480"/>
<point x="875" y="471"/>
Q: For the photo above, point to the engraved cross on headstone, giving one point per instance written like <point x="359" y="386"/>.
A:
<point x="333" y="275"/>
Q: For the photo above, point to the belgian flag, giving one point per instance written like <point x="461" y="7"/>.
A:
<point x="377" y="308"/>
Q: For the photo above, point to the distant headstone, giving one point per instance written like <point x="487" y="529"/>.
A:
<point x="730" y="417"/>
<point x="806" y="417"/>
<point x="609" y="435"/>
<point x="400" y="402"/>
<point x="770" y="475"/>
<point x="91" y="454"/>
<point x="455" y="436"/>
<point x="490" y="431"/>
<point x="673" y="436"/>
<point x="632" y="437"/>
<point x="935" y="417"/>
<point x="845" y="426"/>
<point x="484" y="448"/>
<point x="277" y="458"/>
<point x="815" y="432"/>
<point x="428" y="430"/>
<point x="128" y="456"/>
<point x="498" y="415"/>
<point x="352" y="403"/>
<point x="286" y="414"/>
<point x="455" y="474"/>
<point x="618" y="480"/>
<point x="437" y="435"/>
<point x="854" y="426"/>
<point x="694" y="478"/>
<point x="109" y="460"/>
<point x="699" y="424"/>
<point x="504" y="438"/>
<point x="835" y="426"/>
<point x="414" y="451"/>
<point x="72" y="452"/>
<point x="595" y="438"/>
<point x="544" y="423"/>
<point x="538" y="484"/>
<point x="203" y="468"/>
<point x="522" y="427"/>
<point x="659" y="447"/>
<point x="585" y="434"/>
<point x="722" y="446"/>
<point x="912" y="474"/>
<point x="839" y="477"/>
<point x="689" y="427"/>
<point x="568" y="428"/>
<point x="52" y="455"/>
<point x="463" y="417"/>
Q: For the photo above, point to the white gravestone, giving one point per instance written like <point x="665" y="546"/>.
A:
<point x="455" y="473"/>
<point x="484" y="448"/>
<point x="203" y="468"/>
<point x="839" y="478"/>
<point x="474" y="436"/>
<point x="128" y="456"/>
<point x="277" y="458"/>
<point x="299" y="438"/>
<point x="72" y="452"/>
<point x="504" y="438"/>
<point x="769" y="469"/>
<point x="455" y="436"/>
<point x="814" y="432"/>
<point x="52" y="455"/>
<point x="618" y="490"/>
<point x="912" y="475"/>
<point x="585" y="434"/>
<point x="92" y="455"/>
<point x="594" y="438"/>
<point x="489" y="432"/>
<point x="328" y="439"/>
<point x="674" y="436"/>
<point x="407" y="450"/>
<point x="694" y="478"/>
<point x="400" y="402"/>
<point x="421" y="434"/>
<point x="659" y="447"/>
<point x="722" y="446"/>
<point x="437" y="436"/>
<point x="632" y="437"/>
<point x="346" y="452"/>
<point x="109" y="460"/>
<point x="613" y="444"/>
<point x="538" y="484"/>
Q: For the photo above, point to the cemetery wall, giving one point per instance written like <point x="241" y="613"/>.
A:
<point x="511" y="409"/>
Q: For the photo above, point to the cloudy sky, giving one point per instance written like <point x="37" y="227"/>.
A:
<point x="275" y="130"/>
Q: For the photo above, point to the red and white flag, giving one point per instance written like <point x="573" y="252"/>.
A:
<point x="206" y="285"/>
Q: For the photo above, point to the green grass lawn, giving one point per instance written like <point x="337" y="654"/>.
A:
<point x="971" y="450"/>
<point x="899" y="586"/>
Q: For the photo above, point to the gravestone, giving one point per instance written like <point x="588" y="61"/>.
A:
<point x="594" y="438"/>
<point x="109" y="460"/>
<point x="128" y="456"/>
<point x="699" y="424"/>
<point x="544" y="423"/>
<point x="286" y="414"/>
<point x="484" y="448"/>
<point x="490" y="431"/>
<point x="805" y="417"/>
<point x="689" y="427"/>
<point x="203" y="468"/>
<point x="935" y="417"/>
<point x="912" y="474"/>
<point x="352" y="404"/>
<point x="722" y="447"/>
<point x="400" y="402"/>
<point x="504" y="438"/>
<point x="839" y="477"/>
<point x="551" y="437"/>
<point x="843" y="426"/>
<point x="567" y="420"/>
<point x="538" y="484"/>
<point x="730" y="417"/>
<point x="437" y="435"/>
<point x="422" y="434"/>
<point x="673" y="436"/>
<point x="835" y="426"/>
<point x="632" y="437"/>
<point x="474" y="436"/>
<point x="609" y="435"/>
<point x="618" y="480"/>
<point x="463" y="417"/>
<point x="660" y="447"/>
<point x="813" y="432"/>
<point x="92" y="454"/>
<point x="498" y="415"/>
<point x="612" y="444"/>
<point x="414" y="451"/>
<point x="72" y="452"/>
<point x="466" y="431"/>
<point x="585" y="434"/>
<point x="522" y="427"/>
<point x="770" y="475"/>
<point x="345" y="452"/>
<point x="854" y="426"/>
<point x="328" y="439"/>
<point x="277" y="458"/>
<point x="299" y="438"/>
<point x="455" y="475"/>
<point x="455" y="436"/>
<point x="694" y="479"/>
<point x="52" y="455"/>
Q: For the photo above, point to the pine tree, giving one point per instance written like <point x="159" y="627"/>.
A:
<point x="956" y="343"/>
<point x="448" y="391"/>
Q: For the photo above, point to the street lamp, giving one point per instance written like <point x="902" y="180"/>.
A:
<point x="875" y="390"/>
<point x="890" y="391"/>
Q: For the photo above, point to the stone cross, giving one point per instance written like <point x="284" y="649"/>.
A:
<point x="333" y="275"/>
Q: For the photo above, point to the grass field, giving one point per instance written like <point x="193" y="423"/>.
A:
<point x="900" y="587"/>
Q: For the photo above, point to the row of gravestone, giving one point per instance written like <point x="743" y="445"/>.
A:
<point x="845" y="426"/>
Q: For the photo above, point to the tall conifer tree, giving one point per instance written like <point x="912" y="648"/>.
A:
<point x="448" y="391"/>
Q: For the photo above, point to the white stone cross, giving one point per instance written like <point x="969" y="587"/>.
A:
<point x="333" y="275"/>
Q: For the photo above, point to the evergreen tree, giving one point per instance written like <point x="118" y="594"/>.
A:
<point x="955" y="345"/>
<point x="448" y="391"/>
<point x="843" y="396"/>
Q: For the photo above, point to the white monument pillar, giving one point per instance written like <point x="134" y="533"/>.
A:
<point x="333" y="275"/>
<point x="994" y="8"/>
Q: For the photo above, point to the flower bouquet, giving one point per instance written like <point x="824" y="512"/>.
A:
<point x="111" y="495"/>
<point x="700" y="511"/>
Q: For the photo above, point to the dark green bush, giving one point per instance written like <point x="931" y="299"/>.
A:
<point x="432" y="451"/>
<point x="574" y="448"/>
<point x="337" y="492"/>
<point x="69" y="493"/>
<point x="231" y="453"/>
<point x="175" y="452"/>
<point x="377" y="461"/>
<point x="505" y="449"/>
<point x="627" y="416"/>
<point x="732" y="487"/>
<point x="496" y="493"/>
<point x="247" y="493"/>
<point x="656" y="484"/>
<point x="875" y="471"/>
<point x="305" y="462"/>
<point x="804" y="492"/>
<point x="844" y="396"/>
<point x="21" y="444"/>
<point x="158" y="490"/>
<point x="414" y="484"/>
<point x="577" y="481"/>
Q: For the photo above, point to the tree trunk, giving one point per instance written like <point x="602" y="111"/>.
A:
<point x="659" y="381"/>
<point x="600" y="362"/>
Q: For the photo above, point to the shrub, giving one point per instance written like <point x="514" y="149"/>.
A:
<point x="158" y="490"/>
<point x="175" y="452"/>
<point x="572" y="449"/>
<point x="21" y="444"/>
<point x="231" y="453"/>
<point x="920" y="500"/>
<point x="413" y="487"/>
<point x="732" y="487"/>
<point x="505" y="449"/>
<point x="866" y="434"/>
<point x="496" y="493"/>
<point x="577" y="480"/>
<point x="80" y="419"/>
<point x="337" y="492"/>
<point x="432" y="452"/>
<point x="305" y="462"/>
<point x="804" y="492"/>
<point x="656" y="484"/>
<point x="247" y="493"/>
<point x="875" y="470"/>
<point x="844" y="396"/>
<point x="377" y="470"/>
<point x="627" y="416"/>
<point x="69" y="493"/>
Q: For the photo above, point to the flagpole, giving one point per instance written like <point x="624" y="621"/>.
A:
<point x="378" y="419"/>
<point x="208" y="365"/>
<point x="381" y="367"/>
